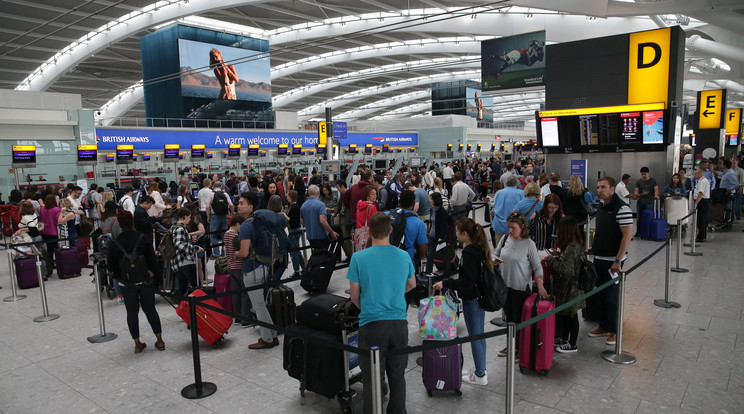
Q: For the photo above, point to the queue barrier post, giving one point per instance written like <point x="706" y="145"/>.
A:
<point x="374" y="356"/>
<point x="677" y="268"/>
<point x="692" y="244"/>
<point x="46" y="317"/>
<point x="15" y="297"/>
<point x="510" y="362"/>
<point x="103" y="336"/>
<point x="618" y="356"/>
<point x="665" y="303"/>
<point x="198" y="389"/>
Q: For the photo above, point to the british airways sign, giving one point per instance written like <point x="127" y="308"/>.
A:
<point x="155" y="138"/>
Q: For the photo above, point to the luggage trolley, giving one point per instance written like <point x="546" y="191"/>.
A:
<point x="325" y="360"/>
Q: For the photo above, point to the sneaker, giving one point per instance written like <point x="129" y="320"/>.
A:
<point x="475" y="380"/>
<point x="502" y="353"/>
<point x="467" y="371"/>
<point x="567" y="348"/>
<point x="247" y="325"/>
<point x="599" y="332"/>
<point x="237" y="322"/>
<point x="611" y="339"/>
<point x="120" y="299"/>
<point x="558" y="342"/>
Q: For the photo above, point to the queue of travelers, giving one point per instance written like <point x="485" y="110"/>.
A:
<point x="532" y="217"/>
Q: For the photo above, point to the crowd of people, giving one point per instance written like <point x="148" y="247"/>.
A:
<point x="533" y="217"/>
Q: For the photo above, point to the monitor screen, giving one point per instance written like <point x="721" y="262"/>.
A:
<point x="110" y="157"/>
<point x="145" y="157"/>
<point x="124" y="153"/>
<point x="233" y="151"/>
<point x="297" y="150"/>
<point x="368" y="149"/>
<point x="210" y="154"/>
<point x="380" y="164"/>
<point x="171" y="152"/>
<point x="180" y="155"/>
<point x="415" y="162"/>
<point x="385" y="148"/>
<point x="197" y="151"/>
<point x="253" y="150"/>
<point x="24" y="154"/>
<point x="653" y="127"/>
<point x="321" y="150"/>
<point x="732" y="139"/>
<point x="549" y="132"/>
<point x="282" y="149"/>
<point x="87" y="153"/>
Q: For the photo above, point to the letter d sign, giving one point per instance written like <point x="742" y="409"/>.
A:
<point x="648" y="66"/>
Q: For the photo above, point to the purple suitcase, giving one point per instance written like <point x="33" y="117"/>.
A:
<point x="443" y="368"/>
<point x="25" y="270"/>
<point x="68" y="263"/>
<point x="537" y="341"/>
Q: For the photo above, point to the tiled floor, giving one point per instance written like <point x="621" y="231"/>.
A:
<point x="689" y="359"/>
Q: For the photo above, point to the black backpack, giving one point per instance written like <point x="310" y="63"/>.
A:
<point x="219" y="203"/>
<point x="132" y="266"/>
<point x="491" y="289"/>
<point x="398" y="222"/>
<point x="392" y="200"/>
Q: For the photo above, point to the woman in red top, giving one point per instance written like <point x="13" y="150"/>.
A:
<point x="48" y="214"/>
<point x="365" y="208"/>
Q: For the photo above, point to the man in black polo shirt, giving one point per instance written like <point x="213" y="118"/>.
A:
<point x="613" y="233"/>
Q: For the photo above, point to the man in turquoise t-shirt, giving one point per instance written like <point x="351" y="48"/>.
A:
<point x="379" y="276"/>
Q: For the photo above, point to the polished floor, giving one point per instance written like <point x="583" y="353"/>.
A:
<point x="689" y="360"/>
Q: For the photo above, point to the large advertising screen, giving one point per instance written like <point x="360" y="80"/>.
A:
<point x="513" y="62"/>
<point x="222" y="72"/>
<point x="478" y="106"/>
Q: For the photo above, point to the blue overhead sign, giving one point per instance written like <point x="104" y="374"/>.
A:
<point x="157" y="138"/>
<point x="339" y="130"/>
<point x="579" y="167"/>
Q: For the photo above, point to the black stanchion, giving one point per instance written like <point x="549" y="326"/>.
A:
<point x="198" y="389"/>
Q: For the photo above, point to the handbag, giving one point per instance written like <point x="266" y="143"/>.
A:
<point x="587" y="275"/>
<point x="361" y="235"/>
<point x="437" y="318"/>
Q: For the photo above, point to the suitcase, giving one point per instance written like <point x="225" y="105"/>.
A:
<point x="537" y="341"/>
<point x="443" y="368"/>
<point x="676" y="208"/>
<point x="281" y="305"/>
<point x="320" y="369"/>
<point x="68" y="262"/>
<point x="26" y="275"/>
<point x="211" y="325"/>
<point x="659" y="225"/>
<point x="326" y="312"/>
<point x="318" y="271"/>
<point x="222" y="284"/>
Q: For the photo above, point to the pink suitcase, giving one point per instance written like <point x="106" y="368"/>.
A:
<point x="537" y="341"/>
<point x="222" y="284"/>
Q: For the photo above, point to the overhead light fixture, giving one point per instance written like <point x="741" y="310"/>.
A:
<point x="591" y="19"/>
<point x="528" y="16"/>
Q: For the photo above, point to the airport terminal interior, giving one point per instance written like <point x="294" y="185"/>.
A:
<point x="115" y="93"/>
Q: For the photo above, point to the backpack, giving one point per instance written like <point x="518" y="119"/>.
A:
<point x="587" y="275"/>
<point x="392" y="199"/>
<point x="269" y="236"/>
<point x="219" y="203"/>
<point x="121" y="202"/>
<point x="491" y="289"/>
<point x="106" y="239"/>
<point x="11" y="217"/>
<point x="167" y="248"/>
<point x="88" y="202"/>
<point x="220" y="266"/>
<point x="398" y="221"/>
<point x="132" y="266"/>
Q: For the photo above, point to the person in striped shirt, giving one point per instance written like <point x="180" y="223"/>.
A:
<point x="614" y="230"/>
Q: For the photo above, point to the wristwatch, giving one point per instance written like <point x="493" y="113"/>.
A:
<point x="617" y="260"/>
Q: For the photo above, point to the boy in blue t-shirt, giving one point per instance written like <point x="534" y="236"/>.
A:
<point x="379" y="276"/>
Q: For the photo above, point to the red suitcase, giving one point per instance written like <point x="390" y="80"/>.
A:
<point x="68" y="262"/>
<point x="222" y="284"/>
<point x="537" y="341"/>
<point x="211" y="325"/>
<point x="26" y="274"/>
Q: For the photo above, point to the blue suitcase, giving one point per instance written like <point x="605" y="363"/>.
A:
<point x="646" y="218"/>
<point x="659" y="225"/>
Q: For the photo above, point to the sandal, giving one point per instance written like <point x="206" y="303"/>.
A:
<point x="160" y="345"/>
<point x="139" y="348"/>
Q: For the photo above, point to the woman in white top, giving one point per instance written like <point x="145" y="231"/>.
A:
<point x="156" y="210"/>
<point x="183" y="196"/>
<point x="517" y="255"/>
<point x="439" y="188"/>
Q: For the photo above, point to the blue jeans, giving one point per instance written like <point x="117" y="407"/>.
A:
<point x="474" y="320"/>
<point x="218" y="227"/>
<point x="298" y="262"/>
<point x="737" y="205"/>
